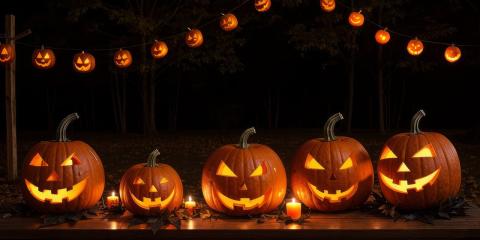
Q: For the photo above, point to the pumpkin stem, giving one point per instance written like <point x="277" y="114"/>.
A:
<point x="414" y="126"/>
<point x="151" y="160"/>
<point x="244" y="137"/>
<point x="328" y="128"/>
<point x="62" y="127"/>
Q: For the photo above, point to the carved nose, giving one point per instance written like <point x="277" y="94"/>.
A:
<point x="244" y="187"/>
<point x="153" y="189"/>
<point x="53" y="177"/>
<point x="333" y="177"/>
<point x="403" y="168"/>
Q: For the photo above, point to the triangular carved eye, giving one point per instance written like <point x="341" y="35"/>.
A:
<point x="224" y="170"/>
<point x="259" y="171"/>
<point x="426" y="151"/>
<point x="347" y="164"/>
<point x="312" y="163"/>
<point x="72" y="159"/>
<point x="37" y="161"/>
<point x="138" y="181"/>
<point x="387" y="153"/>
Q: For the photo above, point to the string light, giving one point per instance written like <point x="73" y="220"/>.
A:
<point x="356" y="19"/>
<point x="327" y="5"/>
<point x="382" y="36"/>
<point x="452" y="53"/>
<point x="415" y="47"/>
<point x="262" y="5"/>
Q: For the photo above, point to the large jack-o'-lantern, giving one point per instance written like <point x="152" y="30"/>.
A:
<point x="83" y="62"/>
<point x="43" y="58"/>
<point x="332" y="173"/>
<point x="244" y="179"/>
<point x="418" y="169"/>
<point x="151" y="188"/>
<point x="7" y="53"/>
<point x="62" y="176"/>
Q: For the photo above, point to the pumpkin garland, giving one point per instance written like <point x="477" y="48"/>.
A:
<point x="43" y="58"/>
<point x="83" y="62"/>
<point x="159" y="49"/>
<point x="7" y="53"/>
<point x="122" y="58"/>
<point x="194" y="38"/>
<point x="228" y="22"/>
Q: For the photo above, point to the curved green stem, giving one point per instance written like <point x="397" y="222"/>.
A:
<point x="414" y="126"/>
<point x="244" y="137"/>
<point x="62" y="127"/>
<point x="328" y="128"/>
<point x="152" y="158"/>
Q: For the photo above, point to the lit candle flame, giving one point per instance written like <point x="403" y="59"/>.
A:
<point x="293" y="200"/>
<point x="189" y="198"/>
<point x="113" y="193"/>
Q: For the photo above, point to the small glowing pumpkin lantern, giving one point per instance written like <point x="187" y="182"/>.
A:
<point x="159" y="49"/>
<point x="151" y="189"/>
<point x="327" y="5"/>
<point x="228" y="22"/>
<point x="244" y="179"/>
<point x="43" y="58"/>
<point x="356" y="19"/>
<point x="415" y="47"/>
<point x="262" y="5"/>
<point x="418" y="170"/>
<point x="83" y="62"/>
<point x="7" y="53"/>
<point x="122" y="58"/>
<point x="382" y="36"/>
<point x="194" y="38"/>
<point x="62" y="176"/>
<point x="332" y="173"/>
<point x="452" y="53"/>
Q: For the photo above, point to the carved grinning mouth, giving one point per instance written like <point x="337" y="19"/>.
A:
<point x="403" y="186"/>
<point x="244" y="203"/>
<point x="333" y="197"/>
<point x="56" y="198"/>
<point x="147" y="203"/>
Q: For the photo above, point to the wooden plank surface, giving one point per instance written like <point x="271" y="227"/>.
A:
<point x="351" y="225"/>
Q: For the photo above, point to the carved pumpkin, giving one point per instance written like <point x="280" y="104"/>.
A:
<point x="382" y="36"/>
<point x="356" y="19"/>
<point x="332" y="173"/>
<point x="415" y="47"/>
<point x="152" y="188"/>
<point x="418" y="169"/>
<point x="327" y="5"/>
<point x="122" y="58"/>
<point x="263" y="5"/>
<point x="452" y="53"/>
<point x="159" y="49"/>
<point x="83" y="62"/>
<point x="228" y="22"/>
<point x="62" y="176"/>
<point x="7" y="53"/>
<point x="244" y="179"/>
<point x="43" y="58"/>
<point x="194" y="38"/>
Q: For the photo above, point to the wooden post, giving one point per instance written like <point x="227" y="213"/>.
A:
<point x="10" y="104"/>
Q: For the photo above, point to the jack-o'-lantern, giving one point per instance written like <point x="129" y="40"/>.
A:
<point x="332" y="173"/>
<point x="452" y="53"/>
<point x="152" y="188"/>
<point x="244" y="179"/>
<point x="228" y="22"/>
<point x="382" y="36"/>
<point x="194" y="38"/>
<point x="415" y="47"/>
<point x="262" y="5"/>
<point x="356" y="19"/>
<point x="7" y="53"/>
<point x="122" y="58"/>
<point x="43" y="58"/>
<point x="159" y="49"/>
<point x="62" y="176"/>
<point x="327" y="5"/>
<point x="83" y="62"/>
<point x="418" y="170"/>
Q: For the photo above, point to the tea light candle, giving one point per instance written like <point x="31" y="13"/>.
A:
<point x="190" y="204"/>
<point x="113" y="201"/>
<point x="294" y="209"/>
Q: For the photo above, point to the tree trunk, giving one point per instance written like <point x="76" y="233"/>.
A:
<point x="351" y="85"/>
<point x="148" y="92"/>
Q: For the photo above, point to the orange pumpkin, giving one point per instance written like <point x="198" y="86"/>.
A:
<point x="327" y="5"/>
<point x="418" y="170"/>
<point x="382" y="36"/>
<point x="159" y="49"/>
<point x="332" y="173"/>
<point x="194" y="38"/>
<point x="356" y="19"/>
<point x="228" y="22"/>
<point x="415" y="47"/>
<point x="7" y="53"/>
<point x="83" y="62"/>
<point x="452" y="53"/>
<point x="244" y="179"/>
<point x="43" y="58"/>
<point x="122" y="58"/>
<point x="262" y="5"/>
<point x="62" y="176"/>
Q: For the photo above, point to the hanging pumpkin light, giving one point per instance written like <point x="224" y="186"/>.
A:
<point x="228" y="22"/>
<point x="43" y="58"/>
<point x="356" y="19"/>
<point x="382" y="36"/>
<point x="263" y="5"/>
<point x="122" y="58"/>
<point x="415" y="47"/>
<point x="194" y="38"/>
<point x="452" y="53"/>
<point x="159" y="49"/>
<point x="7" y="53"/>
<point x="83" y="62"/>
<point x="327" y="5"/>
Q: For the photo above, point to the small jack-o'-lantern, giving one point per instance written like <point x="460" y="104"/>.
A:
<point x="452" y="53"/>
<point x="382" y="36"/>
<point x="327" y="5"/>
<point x="228" y="22"/>
<point x="244" y="179"/>
<point x="43" y="58"/>
<point x="418" y="169"/>
<point x="159" y="49"/>
<point x="62" y="176"/>
<point x="122" y="58"/>
<point x="194" y="38"/>
<point x="262" y="5"/>
<point x="151" y="188"/>
<point x="415" y="47"/>
<point x="356" y="19"/>
<point x="83" y="62"/>
<point x="7" y="53"/>
<point x="332" y="173"/>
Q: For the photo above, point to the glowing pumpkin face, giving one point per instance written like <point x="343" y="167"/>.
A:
<point x="228" y="22"/>
<point x="7" y="53"/>
<point x="122" y="58"/>
<point x="382" y="36"/>
<point x="418" y="169"/>
<point x="43" y="58"/>
<point x="159" y="49"/>
<point x="194" y="38"/>
<point x="151" y="189"/>
<point x="333" y="173"/>
<point x="415" y="47"/>
<point x="452" y="53"/>
<point x="356" y="19"/>
<point x="83" y="62"/>
<point x="327" y="5"/>
<point x="262" y="5"/>
<point x="244" y="179"/>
